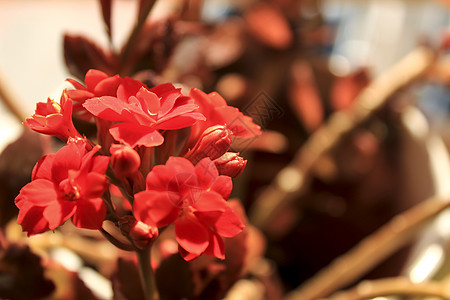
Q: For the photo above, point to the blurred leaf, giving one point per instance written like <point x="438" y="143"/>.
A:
<point x="269" y="26"/>
<point x="22" y="275"/>
<point x="145" y="6"/>
<point x="172" y="270"/>
<point x="151" y="50"/>
<point x="126" y="281"/>
<point x="345" y="89"/>
<point x="106" y="14"/>
<point x="305" y="98"/>
<point x="81" y="54"/>
<point x="225" y="44"/>
<point x="16" y="163"/>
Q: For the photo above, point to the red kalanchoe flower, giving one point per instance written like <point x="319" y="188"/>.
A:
<point x="140" y="116"/>
<point x="194" y="198"/>
<point x="68" y="184"/>
<point x="218" y="112"/>
<point x="99" y="84"/>
<point x="54" y="118"/>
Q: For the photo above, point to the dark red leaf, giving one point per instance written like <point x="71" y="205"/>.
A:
<point x="145" y="6"/>
<point x="173" y="270"/>
<point x="81" y="54"/>
<point x="305" y="97"/>
<point x="106" y="14"/>
<point x="126" y="281"/>
<point x="269" y="26"/>
<point x="16" y="164"/>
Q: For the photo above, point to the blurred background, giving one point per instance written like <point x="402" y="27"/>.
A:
<point x="352" y="96"/>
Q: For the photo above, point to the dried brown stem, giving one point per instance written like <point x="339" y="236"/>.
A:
<point x="289" y="184"/>
<point x="10" y="100"/>
<point x="396" y="286"/>
<point x="371" y="251"/>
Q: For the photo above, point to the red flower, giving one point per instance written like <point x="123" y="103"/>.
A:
<point x="140" y="116"/>
<point x="99" y="84"/>
<point x="54" y="118"/>
<point x="217" y="112"/>
<point x="194" y="198"/>
<point x="68" y="184"/>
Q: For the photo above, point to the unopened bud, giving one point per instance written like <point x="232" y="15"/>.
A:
<point x="213" y="143"/>
<point x="124" y="160"/>
<point x="230" y="164"/>
<point x="141" y="234"/>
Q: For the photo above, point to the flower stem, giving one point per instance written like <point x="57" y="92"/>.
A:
<point x="147" y="275"/>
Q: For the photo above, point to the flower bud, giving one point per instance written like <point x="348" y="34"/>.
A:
<point x="230" y="164"/>
<point x="124" y="160"/>
<point x="213" y="143"/>
<point x="141" y="234"/>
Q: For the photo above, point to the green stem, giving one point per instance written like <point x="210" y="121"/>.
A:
<point x="147" y="275"/>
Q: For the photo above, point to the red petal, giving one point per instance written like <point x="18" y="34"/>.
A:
<point x="191" y="235"/>
<point x="39" y="192"/>
<point x="128" y="87"/>
<point x="134" y="135"/>
<point x="100" y="164"/>
<point x="178" y="122"/>
<point x="148" y="100"/>
<point x="43" y="168"/>
<point x="210" y="201"/>
<point x="163" y="175"/>
<point x="107" y="87"/>
<point x="110" y="108"/>
<point x="177" y="111"/>
<point x="228" y="224"/>
<point x="168" y="94"/>
<point x="206" y="172"/>
<point x="67" y="158"/>
<point x="93" y="77"/>
<point x="95" y="185"/>
<point x="58" y="212"/>
<point x="32" y="221"/>
<point x="186" y="255"/>
<point x="223" y="185"/>
<point x="216" y="246"/>
<point x="89" y="213"/>
<point x="242" y="126"/>
<point x="155" y="207"/>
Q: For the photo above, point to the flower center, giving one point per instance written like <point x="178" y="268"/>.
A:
<point x="70" y="189"/>
<point x="73" y="194"/>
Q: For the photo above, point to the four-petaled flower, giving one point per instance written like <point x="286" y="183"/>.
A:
<point x="194" y="198"/>
<point x="99" y="84"/>
<point x="218" y="112"/>
<point x="68" y="184"/>
<point x="139" y="117"/>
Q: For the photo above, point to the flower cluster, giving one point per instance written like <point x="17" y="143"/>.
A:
<point x="166" y="152"/>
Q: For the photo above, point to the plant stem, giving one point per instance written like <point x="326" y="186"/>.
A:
<point x="393" y="286"/>
<point x="147" y="274"/>
<point x="369" y="252"/>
